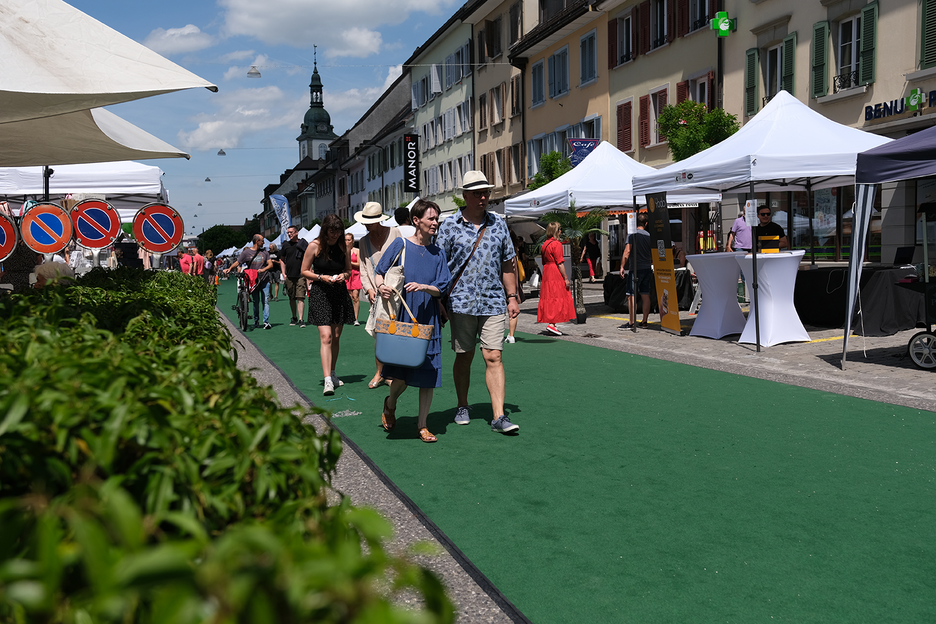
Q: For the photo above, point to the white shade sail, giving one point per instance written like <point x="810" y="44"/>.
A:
<point x="57" y="60"/>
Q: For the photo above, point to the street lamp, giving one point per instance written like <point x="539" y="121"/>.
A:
<point x="253" y="72"/>
<point x="207" y="179"/>
<point x="221" y="152"/>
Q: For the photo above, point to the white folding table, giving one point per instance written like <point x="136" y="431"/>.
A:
<point x="776" y="277"/>
<point x="720" y="315"/>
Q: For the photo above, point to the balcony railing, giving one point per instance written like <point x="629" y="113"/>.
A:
<point x="702" y="22"/>
<point x="767" y="99"/>
<point x="843" y="81"/>
<point x="657" y="43"/>
<point x="626" y="57"/>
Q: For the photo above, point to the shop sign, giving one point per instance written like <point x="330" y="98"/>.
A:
<point x="410" y="163"/>
<point x="910" y="104"/>
<point x="581" y="148"/>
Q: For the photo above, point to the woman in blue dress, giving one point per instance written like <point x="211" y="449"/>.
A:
<point x="426" y="278"/>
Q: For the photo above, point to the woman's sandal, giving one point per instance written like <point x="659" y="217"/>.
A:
<point x="388" y="418"/>
<point x="375" y="384"/>
<point x="425" y="436"/>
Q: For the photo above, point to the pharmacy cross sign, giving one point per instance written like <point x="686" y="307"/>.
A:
<point x="723" y="24"/>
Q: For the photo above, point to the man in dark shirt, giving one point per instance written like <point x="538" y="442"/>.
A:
<point x="766" y="227"/>
<point x="639" y="244"/>
<point x="291" y="265"/>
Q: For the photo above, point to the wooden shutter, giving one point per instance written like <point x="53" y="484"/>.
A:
<point x="819" y="81"/>
<point x="711" y="91"/>
<point x="928" y="42"/>
<point x="643" y="123"/>
<point x="869" y="16"/>
<point x="644" y="27"/>
<point x="625" y="141"/>
<point x="682" y="91"/>
<point x="612" y="43"/>
<point x="682" y="18"/>
<point x="551" y="66"/>
<point x="787" y="81"/>
<point x="751" y="68"/>
<point x="670" y="21"/>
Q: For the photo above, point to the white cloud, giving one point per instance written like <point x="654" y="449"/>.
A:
<point x="242" y="113"/>
<point x="348" y="28"/>
<point x="178" y="40"/>
<point x="237" y="55"/>
<point x="395" y="72"/>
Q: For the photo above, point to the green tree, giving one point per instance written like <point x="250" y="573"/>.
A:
<point x="574" y="230"/>
<point x="220" y="237"/>
<point x="551" y="166"/>
<point x="690" y="127"/>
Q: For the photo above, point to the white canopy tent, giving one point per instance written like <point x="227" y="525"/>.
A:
<point x="602" y="179"/>
<point x="127" y="185"/>
<point x="87" y="136"/>
<point x="58" y="60"/>
<point x="785" y="146"/>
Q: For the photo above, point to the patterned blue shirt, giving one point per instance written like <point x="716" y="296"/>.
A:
<point x="480" y="291"/>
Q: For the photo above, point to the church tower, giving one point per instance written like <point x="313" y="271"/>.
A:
<point x="317" y="130"/>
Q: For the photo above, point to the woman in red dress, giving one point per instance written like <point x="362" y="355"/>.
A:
<point x="555" y="303"/>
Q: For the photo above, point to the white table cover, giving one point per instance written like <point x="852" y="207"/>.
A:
<point x="719" y="315"/>
<point x="776" y="277"/>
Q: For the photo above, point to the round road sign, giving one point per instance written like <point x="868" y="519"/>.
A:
<point x="97" y="223"/>
<point x="46" y="228"/>
<point x="158" y="228"/>
<point x="9" y="236"/>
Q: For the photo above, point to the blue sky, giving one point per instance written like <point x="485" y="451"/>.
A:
<point x="361" y="47"/>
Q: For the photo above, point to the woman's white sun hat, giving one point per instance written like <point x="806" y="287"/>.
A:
<point x="372" y="213"/>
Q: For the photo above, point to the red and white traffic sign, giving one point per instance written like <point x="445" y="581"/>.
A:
<point x="158" y="228"/>
<point x="46" y="228"/>
<point x="9" y="237"/>
<point x="97" y="223"/>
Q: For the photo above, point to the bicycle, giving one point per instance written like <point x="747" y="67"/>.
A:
<point x="243" y="301"/>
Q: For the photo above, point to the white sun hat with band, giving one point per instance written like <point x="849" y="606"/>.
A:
<point x="372" y="213"/>
<point x="475" y="181"/>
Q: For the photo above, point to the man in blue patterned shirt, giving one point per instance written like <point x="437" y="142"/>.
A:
<point x="483" y="296"/>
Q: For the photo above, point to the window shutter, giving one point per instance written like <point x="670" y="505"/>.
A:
<point x="529" y="160"/>
<point x="643" y="38"/>
<point x="466" y="59"/>
<point x="612" y="43"/>
<point x="928" y="43"/>
<point x="682" y="18"/>
<point x="662" y="97"/>
<point x="787" y="81"/>
<point x="624" y="134"/>
<point x="670" y="21"/>
<point x="644" y="121"/>
<point x="710" y="92"/>
<point x="751" y="67"/>
<point x="682" y="91"/>
<point x="552" y="75"/>
<point x="869" y="16"/>
<point x="413" y="104"/>
<point x="436" y="80"/>
<point x="468" y="117"/>
<point x="819" y="85"/>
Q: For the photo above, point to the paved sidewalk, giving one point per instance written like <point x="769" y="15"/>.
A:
<point x="886" y="374"/>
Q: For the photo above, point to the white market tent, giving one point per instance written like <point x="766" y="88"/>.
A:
<point x="602" y="179"/>
<point x="786" y="146"/>
<point x="127" y="185"/>
<point x="59" y="60"/>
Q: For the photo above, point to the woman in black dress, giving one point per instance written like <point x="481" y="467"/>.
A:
<point x="326" y="266"/>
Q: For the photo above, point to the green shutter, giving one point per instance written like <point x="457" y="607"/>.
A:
<point x="789" y="63"/>
<point x="751" y="67"/>
<point x="819" y="85"/>
<point x="928" y="40"/>
<point x="869" y="16"/>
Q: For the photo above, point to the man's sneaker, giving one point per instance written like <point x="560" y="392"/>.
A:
<point x="503" y="425"/>
<point x="293" y="321"/>
<point x="552" y="329"/>
<point x="335" y="381"/>
<point x="461" y="415"/>
<point x="329" y="387"/>
<point x="267" y="326"/>
<point x="301" y="324"/>
<point x="510" y="340"/>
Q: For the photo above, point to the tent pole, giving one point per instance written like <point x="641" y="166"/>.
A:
<point x="633" y="270"/>
<point x="754" y="281"/>
<point x="812" y="237"/>
<point x="46" y="174"/>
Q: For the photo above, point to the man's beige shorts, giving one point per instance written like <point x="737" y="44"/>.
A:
<point x="466" y="328"/>
<point x="296" y="289"/>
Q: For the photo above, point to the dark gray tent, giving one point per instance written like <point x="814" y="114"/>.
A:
<point x="911" y="157"/>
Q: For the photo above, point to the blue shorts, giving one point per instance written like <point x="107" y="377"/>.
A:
<point x="643" y="282"/>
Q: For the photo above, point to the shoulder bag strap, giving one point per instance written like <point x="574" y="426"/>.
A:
<point x="465" y="266"/>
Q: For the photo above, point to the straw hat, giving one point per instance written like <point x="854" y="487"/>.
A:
<point x="475" y="180"/>
<point x="372" y="213"/>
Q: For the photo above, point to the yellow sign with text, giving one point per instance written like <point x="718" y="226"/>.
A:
<point x="667" y="296"/>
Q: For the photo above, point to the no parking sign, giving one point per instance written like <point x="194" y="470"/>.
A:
<point x="9" y="237"/>
<point x="158" y="228"/>
<point x="46" y="228"/>
<point x="97" y="223"/>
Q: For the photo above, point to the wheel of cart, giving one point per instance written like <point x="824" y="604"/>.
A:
<point x="922" y="350"/>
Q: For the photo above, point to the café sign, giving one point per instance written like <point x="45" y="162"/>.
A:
<point x="916" y="101"/>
